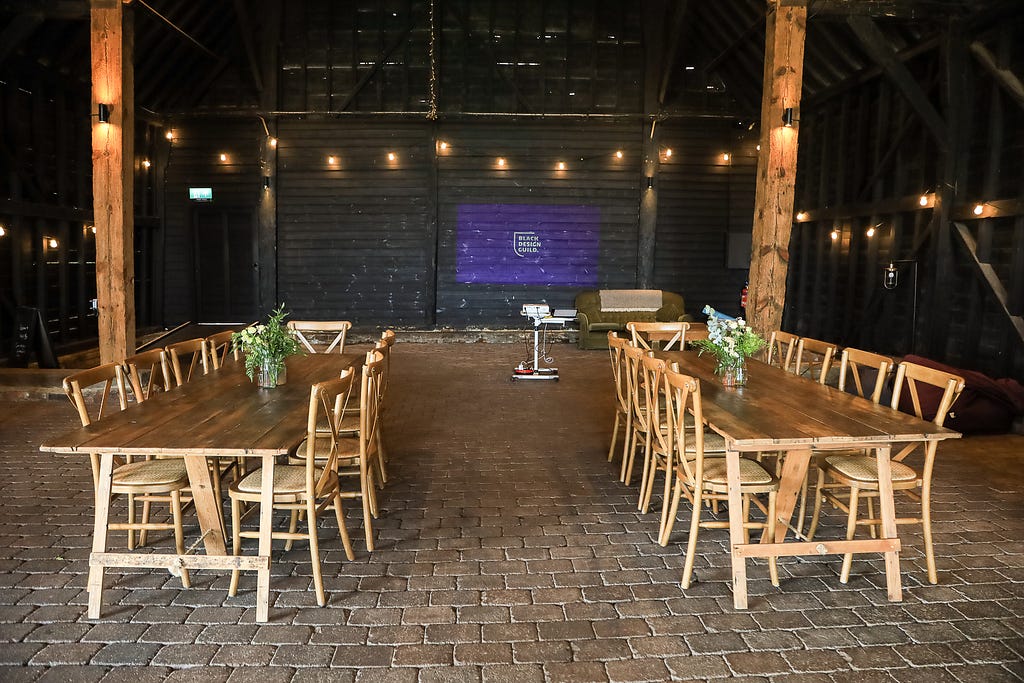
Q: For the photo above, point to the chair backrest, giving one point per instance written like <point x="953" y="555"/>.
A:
<point x="327" y="403"/>
<point x="650" y="335"/>
<point x="146" y="373"/>
<point x="814" y="358"/>
<point x="387" y="340"/>
<point x="75" y="386"/>
<point x="617" y="354"/>
<point x="370" y="395"/>
<point x="782" y="349"/>
<point x="303" y="328"/>
<point x="219" y="346"/>
<point x="908" y="378"/>
<point x="682" y="397"/>
<point x="635" y="380"/>
<point x="856" y="364"/>
<point x="195" y="351"/>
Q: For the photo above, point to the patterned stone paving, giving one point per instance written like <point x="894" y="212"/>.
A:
<point x="508" y="551"/>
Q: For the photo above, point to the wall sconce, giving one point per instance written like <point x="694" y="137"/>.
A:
<point x="103" y="112"/>
<point x="442" y="145"/>
<point x="787" y="117"/>
<point x="923" y="201"/>
<point x="266" y="182"/>
<point x="332" y="160"/>
<point x="650" y="182"/>
<point x="668" y="153"/>
<point x="726" y="157"/>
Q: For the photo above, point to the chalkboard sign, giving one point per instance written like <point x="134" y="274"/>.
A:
<point x="30" y="335"/>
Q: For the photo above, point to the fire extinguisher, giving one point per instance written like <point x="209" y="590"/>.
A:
<point x="743" y="298"/>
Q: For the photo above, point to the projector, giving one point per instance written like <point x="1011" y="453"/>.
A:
<point x="536" y="311"/>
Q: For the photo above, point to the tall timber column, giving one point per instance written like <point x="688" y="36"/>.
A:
<point x="112" y="176"/>
<point x="776" y="163"/>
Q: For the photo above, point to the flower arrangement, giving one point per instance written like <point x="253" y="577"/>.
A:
<point x="730" y="340"/>
<point x="265" y="347"/>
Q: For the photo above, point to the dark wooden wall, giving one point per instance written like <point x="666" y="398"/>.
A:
<point x="866" y="158"/>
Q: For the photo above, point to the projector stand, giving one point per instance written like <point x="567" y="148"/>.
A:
<point x="542" y="318"/>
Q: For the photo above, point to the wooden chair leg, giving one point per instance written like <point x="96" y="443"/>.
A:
<point x="666" y="531"/>
<point x="179" y="535"/>
<point x="926" y="528"/>
<point x="665" y="503"/>
<point x="615" y="435"/>
<point x="819" y="497"/>
<point x="339" y="513"/>
<point x="851" y="530"/>
<point x="626" y="436"/>
<point x="314" y="552"/>
<point x="293" y="526"/>
<point x="871" y="515"/>
<point x="131" y="520"/>
<point x="236" y="542"/>
<point x="631" y="454"/>
<point x="381" y="459"/>
<point x="691" y="543"/>
<point x="367" y="491"/>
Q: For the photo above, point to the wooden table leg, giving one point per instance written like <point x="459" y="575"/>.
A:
<point x="99" y="534"/>
<point x="208" y="506"/>
<point x="888" y="517"/>
<point x="736" y="536"/>
<point x="266" y="522"/>
<point x="794" y="473"/>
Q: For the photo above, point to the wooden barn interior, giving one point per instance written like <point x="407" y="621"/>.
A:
<point x="340" y="140"/>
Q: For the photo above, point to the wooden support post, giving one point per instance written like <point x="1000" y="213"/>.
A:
<point x="267" y="210"/>
<point x="786" y="26"/>
<point x="654" y="22"/>
<point x="113" y="178"/>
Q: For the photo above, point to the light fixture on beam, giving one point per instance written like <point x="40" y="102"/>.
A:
<point x="272" y="141"/>
<point x="650" y="182"/>
<point x="801" y="215"/>
<point x="788" y="117"/>
<point x="266" y="182"/>
<point x="979" y="209"/>
<point x="834" y="235"/>
<point x="103" y="112"/>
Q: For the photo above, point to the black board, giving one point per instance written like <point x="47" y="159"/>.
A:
<point x="30" y="336"/>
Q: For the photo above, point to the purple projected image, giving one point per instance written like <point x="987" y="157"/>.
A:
<point x="523" y="244"/>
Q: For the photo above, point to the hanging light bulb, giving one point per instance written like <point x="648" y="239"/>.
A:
<point x="391" y="156"/>
<point x="835" y="235"/>
<point x="146" y="163"/>
<point x="725" y="157"/>
<point x="561" y="165"/>
<point x="618" y="154"/>
<point x="52" y="242"/>
<point x="923" y="201"/>
<point x="668" y="153"/>
<point x="801" y="215"/>
<point x="272" y="141"/>
<point x="501" y="162"/>
<point x="169" y="135"/>
<point x="979" y="209"/>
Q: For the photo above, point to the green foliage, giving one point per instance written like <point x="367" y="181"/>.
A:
<point x="267" y="345"/>
<point x="731" y="341"/>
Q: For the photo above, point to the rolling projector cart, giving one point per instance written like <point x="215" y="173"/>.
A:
<point x="542" y="320"/>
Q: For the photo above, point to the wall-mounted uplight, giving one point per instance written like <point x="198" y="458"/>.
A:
<point x="103" y="112"/>
<point x="650" y="182"/>
<point x="788" y="117"/>
<point x="266" y="182"/>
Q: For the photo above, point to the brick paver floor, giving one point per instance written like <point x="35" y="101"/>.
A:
<point x="508" y="551"/>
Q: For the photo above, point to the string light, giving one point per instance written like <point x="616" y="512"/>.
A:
<point x="272" y="141"/>
<point x="332" y="160"/>
<point x="391" y="156"/>
<point x="668" y="153"/>
<point x="835" y="235"/>
<point x="169" y="135"/>
<point x="501" y="162"/>
<point x="561" y="165"/>
<point x="618" y="154"/>
<point x="979" y="209"/>
<point x="146" y="163"/>
<point x="923" y="201"/>
<point x="725" y="157"/>
<point x="223" y="157"/>
<point x="801" y="215"/>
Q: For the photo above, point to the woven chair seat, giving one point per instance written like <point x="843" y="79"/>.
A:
<point x="287" y="479"/>
<point x="151" y="473"/>
<point x="865" y="468"/>
<point x="751" y="473"/>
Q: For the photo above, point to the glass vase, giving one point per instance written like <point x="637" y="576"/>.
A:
<point x="271" y="374"/>
<point x="733" y="374"/>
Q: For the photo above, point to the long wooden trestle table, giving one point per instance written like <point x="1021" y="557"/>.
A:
<point x="779" y="411"/>
<point x="221" y="414"/>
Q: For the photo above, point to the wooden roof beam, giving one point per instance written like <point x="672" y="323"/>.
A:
<point x="1004" y="77"/>
<point x="245" y="29"/>
<point x="884" y="55"/>
<point x="989" y="276"/>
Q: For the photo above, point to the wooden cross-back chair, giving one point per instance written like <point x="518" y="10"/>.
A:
<point x="308" y="332"/>
<point x="146" y="373"/>
<point x="657" y="454"/>
<point x="704" y="478"/>
<point x="623" y="414"/>
<point x="219" y="347"/>
<point x="782" y="349"/>
<point x="145" y="481"/>
<point x="856" y="365"/>
<point x="814" y="359"/>
<point x="311" y="486"/>
<point x="185" y="358"/>
<point x="665" y="336"/>
<point x="859" y="473"/>
<point x="637" y="396"/>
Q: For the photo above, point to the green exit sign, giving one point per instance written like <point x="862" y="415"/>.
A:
<point x="200" y="194"/>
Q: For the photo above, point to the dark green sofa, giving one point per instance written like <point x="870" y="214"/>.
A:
<point x="595" y="322"/>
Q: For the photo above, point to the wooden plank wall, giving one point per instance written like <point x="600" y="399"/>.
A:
<point x="47" y="182"/>
<point x="355" y="237"/>
<point x="865" y="161"/>
<point x="594" y="176"/>
<point x="702" y="197"/>
<point x="194" y="161"/>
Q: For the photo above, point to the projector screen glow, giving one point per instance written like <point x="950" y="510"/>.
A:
<point x="522" y="244"/>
